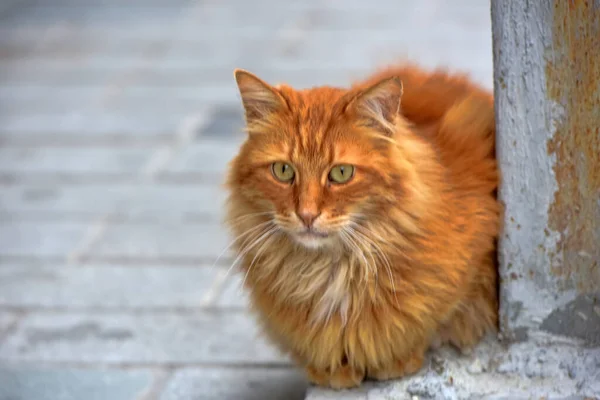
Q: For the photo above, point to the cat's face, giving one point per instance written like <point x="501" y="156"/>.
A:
<point x="317" y="161"/>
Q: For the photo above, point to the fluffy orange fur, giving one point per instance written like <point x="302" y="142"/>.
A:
<point x="358" y="279"/>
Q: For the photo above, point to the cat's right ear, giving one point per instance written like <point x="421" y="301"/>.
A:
<point x="379" y="104"/>
<point x="258" y="98"/>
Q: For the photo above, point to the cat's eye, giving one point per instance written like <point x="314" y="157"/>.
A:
<point x="341" y="173"/>
<point x="283" y="172"/>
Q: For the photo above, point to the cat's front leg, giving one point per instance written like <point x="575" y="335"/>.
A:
<point x="343" y="377"/>
<point x="399" y="368"/>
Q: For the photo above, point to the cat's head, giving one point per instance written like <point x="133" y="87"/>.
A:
<point x="319" y="161"/>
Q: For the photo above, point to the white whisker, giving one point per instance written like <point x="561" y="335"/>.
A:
<point x="358" y="250"/>
<point x="241" y="218"/>
<point x="259" y="251"/>
<point x="363" y="232"/>
<point x="254" y="228"/>
<point x="245" y="249"/>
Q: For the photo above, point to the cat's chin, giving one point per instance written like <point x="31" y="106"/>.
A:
<point x="312" y="241"/>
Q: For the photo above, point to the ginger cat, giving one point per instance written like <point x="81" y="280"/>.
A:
<point x="366" y="219"/>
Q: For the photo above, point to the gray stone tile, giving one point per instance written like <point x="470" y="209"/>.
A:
<point x="105" y="16"/>
<point x="33" y="74"/>
<point x="104" y="286"/>
<point x="147" y="200"/>
<point x="109" y="70"/>
<point x="127" y="117"/>
<point x="135" y="4"/>
<point x="39" y="239"/>
<point x="52" y="197"/>
<point x="162" y="241"/>
<point x="85" y="122"/>
<point x="115" y="114"/>
<point x="200" y="337"/>
<point x="234" y="294"/>
<point x="77" y="97"/>
<point x="8" y="5"/>
<point x="207" y="156"/>
<point x="226" y="124"/>
<point x="438" y="47"/>
<point x="52" y="160"/>
<point x="163" y="76"/>
<point x="157" y="97"/>
<point x="6" y="320"/>
<point x="63" y="198"/>
<point x="30" y="32"/>
<point x="235" y="384"/>
<point x="27" y="382"/>
<point x="177" y="200"/>
<point x="66" y="47"/>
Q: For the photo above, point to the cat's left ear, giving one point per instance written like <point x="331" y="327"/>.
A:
<point x="258" y="97"/>
<point x="379" y="105"/>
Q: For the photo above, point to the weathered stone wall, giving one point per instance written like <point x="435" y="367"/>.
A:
<point x="547" y="83"/>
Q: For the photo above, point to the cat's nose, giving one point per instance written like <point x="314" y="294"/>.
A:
<point x="308" y="216"/>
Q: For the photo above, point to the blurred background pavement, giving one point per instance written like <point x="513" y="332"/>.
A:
<point x="117" y="120"/>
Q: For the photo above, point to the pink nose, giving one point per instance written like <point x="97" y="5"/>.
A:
<point x="308" y="216"/>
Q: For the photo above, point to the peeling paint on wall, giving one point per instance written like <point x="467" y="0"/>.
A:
<point x="579" y="318"/>
<point x="547" y="95"/>
<point x="573" y="81"/>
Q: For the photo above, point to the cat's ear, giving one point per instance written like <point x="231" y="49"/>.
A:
<point x="258" y="97"/>
<point x="379" y="105"/>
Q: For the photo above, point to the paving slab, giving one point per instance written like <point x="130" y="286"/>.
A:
<point x="80" y="120"/>
<point x="73" y="161"/>
<point x="40" y="15"/>
<point x="45" y="239"/>
<point x="151" y="201"/>
<point x="6" y="320"/>
<point x="208" y="156"/>
<point x="521" y="371"/>
<point x="234" y="384"/>
<point x="200" y="243"/>
<point x="160" y="76"/>
<point x="142" y="338"/>
<point x="131" y="75"/>
<point x="104" y="286"/>
<point x="234" y="294"/>
<point x="27" y="382"/>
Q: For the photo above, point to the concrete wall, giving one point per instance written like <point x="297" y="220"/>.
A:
<point x="547" y="88"/>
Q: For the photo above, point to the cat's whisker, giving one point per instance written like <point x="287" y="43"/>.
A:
<point x="365" y="287"/>
<point x="373" y="265"/>
<point x="370" y="233"/>
<point x="370" y="267"/>
<point x="247" y="246"/>
<point x="259" y="252"/>
<point x="359" y="251"/>
<point x="370" y="244"/>
<point x="235" y="221"/>
<point x="367" y="233"/>
<point x="245" y="249"/>
<point x="247" y="232"/>
<point x="381" y="254"/>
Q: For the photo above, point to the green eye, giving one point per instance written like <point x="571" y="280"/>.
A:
<point x="341" y="173"/>
<point x="283" y="172"/>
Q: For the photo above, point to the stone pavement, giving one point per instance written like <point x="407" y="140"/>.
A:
<point x="117" y="119"/>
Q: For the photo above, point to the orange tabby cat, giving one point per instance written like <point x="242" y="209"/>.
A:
<point x="366" y="219"/>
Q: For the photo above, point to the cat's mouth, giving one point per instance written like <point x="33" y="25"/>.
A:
<point x="311" y="233"/>
<point x="311" y="238"/>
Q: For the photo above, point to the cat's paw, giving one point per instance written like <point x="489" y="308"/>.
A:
<point x="398" y="369"/>
<point x="344" y="377"/>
